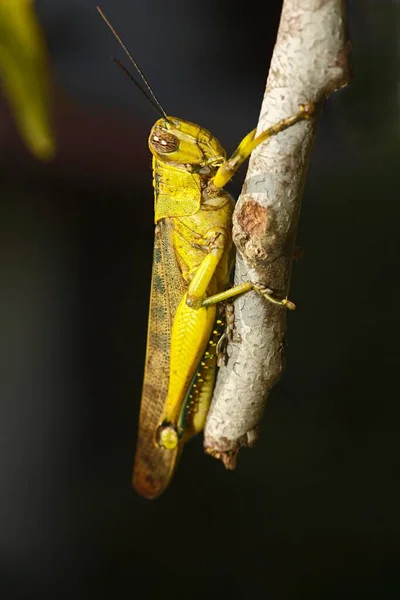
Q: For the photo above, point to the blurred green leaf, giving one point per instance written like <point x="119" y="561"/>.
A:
<point x="24" y="74"/>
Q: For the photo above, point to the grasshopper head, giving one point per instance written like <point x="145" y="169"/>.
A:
<point x="186" y="143"/>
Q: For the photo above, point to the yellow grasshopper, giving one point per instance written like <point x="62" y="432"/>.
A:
<point x="192" y="264"/>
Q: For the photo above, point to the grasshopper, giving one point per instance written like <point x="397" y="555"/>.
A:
<point x="192" y="265"/>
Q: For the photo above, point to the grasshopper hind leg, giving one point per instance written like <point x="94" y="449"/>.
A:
<point x="198" y="399"/>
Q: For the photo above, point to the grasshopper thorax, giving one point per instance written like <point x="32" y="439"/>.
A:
<point x="175" y="140"/>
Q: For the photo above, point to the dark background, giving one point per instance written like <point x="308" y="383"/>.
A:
<point x="313" y="510"/>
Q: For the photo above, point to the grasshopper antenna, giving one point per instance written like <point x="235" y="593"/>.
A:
<point x="131" y="77"/>
<point x="148" y="92"/>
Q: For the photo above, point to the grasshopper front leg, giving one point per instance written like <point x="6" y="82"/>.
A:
<point x="247" y="145"/>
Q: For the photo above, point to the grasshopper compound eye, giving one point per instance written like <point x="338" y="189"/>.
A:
<point x="163" y="141"/>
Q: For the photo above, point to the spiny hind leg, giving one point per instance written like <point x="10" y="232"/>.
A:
<point x="197" y="402"/>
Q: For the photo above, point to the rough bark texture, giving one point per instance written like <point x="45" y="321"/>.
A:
<point x="310" y="60"/>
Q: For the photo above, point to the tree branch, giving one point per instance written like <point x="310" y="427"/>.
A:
<point x="310" y="61"/>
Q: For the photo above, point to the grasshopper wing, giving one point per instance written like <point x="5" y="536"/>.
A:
<point x="154" y="466"/>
